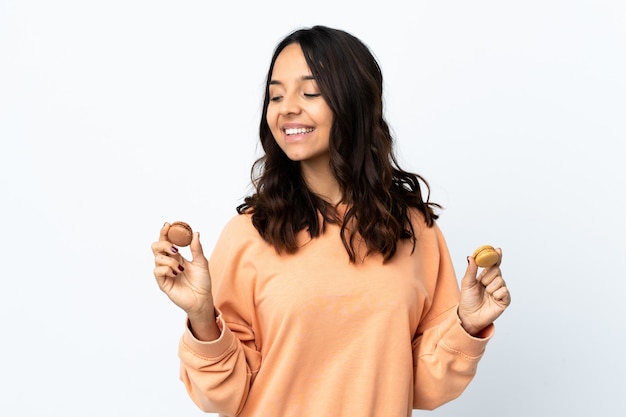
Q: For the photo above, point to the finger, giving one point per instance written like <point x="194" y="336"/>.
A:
<point x="164" y="273"/>
<point x="499" y="291"/>
<point x="502" y="295"/>
<point x="499" y="250"/>
<point x="163" y="247"/>
<point x="197" y="253"/>
<point x="164" y="230"/>
<point x="487" y="276"/>
<point x="170" y="262"/>
<point x="496" y="284"/>
<point x="469" y="279"/>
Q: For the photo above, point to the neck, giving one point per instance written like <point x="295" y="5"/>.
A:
<point x="320" y="180"/>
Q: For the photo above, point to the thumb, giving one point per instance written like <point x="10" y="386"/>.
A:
<point x="197" y="254"/>
<point x="469" y="279"/>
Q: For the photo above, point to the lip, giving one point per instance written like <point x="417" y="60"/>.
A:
<point x="295" y="126"/>
<point x="295" y="137"/>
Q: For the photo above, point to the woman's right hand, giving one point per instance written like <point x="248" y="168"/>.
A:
<point x="186" y="283"/>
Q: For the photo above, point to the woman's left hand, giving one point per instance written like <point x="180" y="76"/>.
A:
<point x="483" y="297"/>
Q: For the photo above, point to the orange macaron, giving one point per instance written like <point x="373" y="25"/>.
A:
<point x="180" y="234"/>
<point x="486" y="256"/>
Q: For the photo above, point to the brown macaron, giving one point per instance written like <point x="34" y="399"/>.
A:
<point x="486" y="256"/>
<point x="180" y="234"/>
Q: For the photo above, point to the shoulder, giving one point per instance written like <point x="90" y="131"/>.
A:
<point x="238" y="223"/>
<point x="428" y="237"/>
<point x="238" y="240"/>
<point x="238" y="230"/>
<point x="419" y="223"/>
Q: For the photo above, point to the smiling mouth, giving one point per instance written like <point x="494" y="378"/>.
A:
<point x="298" y="130"/>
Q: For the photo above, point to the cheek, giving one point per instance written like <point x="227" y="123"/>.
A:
<point x="271" y="120"/>
<point x="268" y="118"/>
<point x="324" y="116"/>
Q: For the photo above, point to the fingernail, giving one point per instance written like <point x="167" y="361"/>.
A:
<point x="174" y="249"/>
<point x="468" y="259"/>
<point x="175" y="273"/>
<point x="180" y="268"/>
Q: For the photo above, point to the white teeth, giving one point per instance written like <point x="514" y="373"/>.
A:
<point x="298" y="131"/>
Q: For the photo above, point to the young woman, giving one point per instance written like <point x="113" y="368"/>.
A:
<point x="332" y="291"/>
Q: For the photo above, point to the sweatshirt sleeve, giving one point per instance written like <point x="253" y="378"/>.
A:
<point x="218" y="374"/>
<point x="445" y="356"/>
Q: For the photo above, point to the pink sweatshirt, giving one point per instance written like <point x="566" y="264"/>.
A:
<point x="311" y="334"/>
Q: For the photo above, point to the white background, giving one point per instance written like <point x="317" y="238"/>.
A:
<point x="116" y="116"/>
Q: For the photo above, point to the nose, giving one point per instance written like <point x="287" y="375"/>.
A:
<point x="290" y="105"/>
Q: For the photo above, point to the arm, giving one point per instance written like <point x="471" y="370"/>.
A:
<point x="218" y="372"/>
<point x="445" y="359"/>
<point x="445" y="353"/>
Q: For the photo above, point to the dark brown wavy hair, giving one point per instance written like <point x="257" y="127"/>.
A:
<point x="378" y="194"/>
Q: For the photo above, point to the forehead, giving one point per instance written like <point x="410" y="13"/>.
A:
<point x="290" y="63"/>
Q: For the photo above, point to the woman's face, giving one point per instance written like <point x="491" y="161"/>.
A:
<point x="297" y="114"/>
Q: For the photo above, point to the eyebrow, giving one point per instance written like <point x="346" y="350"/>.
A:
<point x="303" y="78"/>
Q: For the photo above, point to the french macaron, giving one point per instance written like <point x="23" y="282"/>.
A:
<point x="180" y="234"/>
<point x="486" y="256"/>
